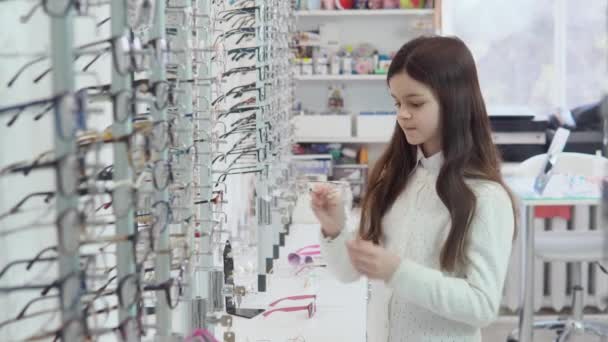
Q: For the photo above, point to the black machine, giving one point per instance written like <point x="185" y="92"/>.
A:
<point x="517" y="134"/>
<point x="586" y="129"/>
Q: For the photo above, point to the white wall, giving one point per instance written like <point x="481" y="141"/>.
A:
<point x="22" y="141"/>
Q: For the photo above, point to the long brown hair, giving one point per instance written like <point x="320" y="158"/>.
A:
<point x="446" y="66"/>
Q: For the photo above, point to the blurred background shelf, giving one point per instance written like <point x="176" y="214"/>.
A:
<point x="364" y="13"/>
<point x="321" y="78"/>
<point x="343" y="140"/>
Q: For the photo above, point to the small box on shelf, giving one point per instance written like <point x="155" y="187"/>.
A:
<point x="323" y="126"/>
<point x="376" y="125"/>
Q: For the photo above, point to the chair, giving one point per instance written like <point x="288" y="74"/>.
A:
<point x="581" y="246"/>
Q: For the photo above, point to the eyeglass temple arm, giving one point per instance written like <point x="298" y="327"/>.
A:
<point x="241" y="103"/>
<point x="20" y="106"/>
<point x="243" y="128"/>
<point x="48" y="195"/>
<point x="23" y="68"/>
<point x="311" y="253"/>
<point x="308" y="247"/>
<point x="22" y="261"/>
<point x="247" y="149"/>
<point x="290" y="309"/>
<point x="45" y="288"/>
<point x="10" y="122"/>
<point x="46" y="72"/>
<point x="306" y="266"/>
<point x="39" y="255"/>
<point x="239" y="70"/>
<point x="237" y="11"/>
<point x="246" y="119"/>
<point x="27" y="16"/>
<point x="86" y="67"/>
<point x="220" y="157"/>
<point x="244" y="20"/>
<point x="43" y="112"/>
<point x="21" y="313"/>
<point x="99" y="24"/>
<point x="292" y="298"/>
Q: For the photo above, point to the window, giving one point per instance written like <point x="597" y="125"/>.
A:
<point x="514" y="45"/>
<point x="587" y="55"/>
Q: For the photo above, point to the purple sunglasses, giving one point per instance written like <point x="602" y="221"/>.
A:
<point x="295" y="258"/>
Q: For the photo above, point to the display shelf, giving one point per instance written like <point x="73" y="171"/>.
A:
<point x="310" y="156"/>
<point x="344" y="140"/>
<point x="341" y="78"/>
<point x="362" y="13"/>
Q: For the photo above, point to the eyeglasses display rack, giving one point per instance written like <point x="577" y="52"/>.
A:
<point x="168" y="175"/>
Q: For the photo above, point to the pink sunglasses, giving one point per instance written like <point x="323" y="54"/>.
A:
<point x="202" y="335"/>
<point x="307" y="252"/>
<point x="311" y="307"/>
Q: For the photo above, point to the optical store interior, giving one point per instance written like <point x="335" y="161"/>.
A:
<point x="303" y="170"/>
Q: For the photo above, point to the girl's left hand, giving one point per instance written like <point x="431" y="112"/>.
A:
<point x="373" y="261"/>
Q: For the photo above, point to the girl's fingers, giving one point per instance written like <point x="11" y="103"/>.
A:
<point x="319" y="196"/>
<point x="360" y="252"/>
<point x="360" y="267"/>
<point x="333" y="194"/>
<point x="317" y="208"/>
<point x="319" y="189"/>
<point x="364" y="262"/>
<point x="317" y="202"/>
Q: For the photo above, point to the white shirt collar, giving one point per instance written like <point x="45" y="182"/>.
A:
<point x="432" y="163"/>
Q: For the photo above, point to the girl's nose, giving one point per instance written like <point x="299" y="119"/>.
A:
<point x="404" y="114"/>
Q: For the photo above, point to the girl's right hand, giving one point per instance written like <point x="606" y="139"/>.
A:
<point x="327" y="204"/>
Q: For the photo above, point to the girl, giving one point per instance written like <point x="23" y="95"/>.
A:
<point x="437" y="221"/>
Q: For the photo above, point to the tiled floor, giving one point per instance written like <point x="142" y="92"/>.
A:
<point x="498" y="331"/>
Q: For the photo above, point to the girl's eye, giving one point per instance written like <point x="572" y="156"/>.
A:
<point x="397" y="104"/>
<point x="417" y="105"/>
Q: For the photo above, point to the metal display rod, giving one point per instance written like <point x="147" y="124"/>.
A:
<point x="263" y="206"/>
<point x="163" y="260"/>
<point x="62" y="37"/>
<point x="122" y="197"/>
<point x="203" y="119"/>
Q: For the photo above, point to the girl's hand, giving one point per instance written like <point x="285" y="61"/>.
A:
<point x="327" y="204"/>
<point x="373" y="261"/>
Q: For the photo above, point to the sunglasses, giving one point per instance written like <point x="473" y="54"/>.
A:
<point x="311" y="308"/>
<point x="304" y="254"/>
<point x="201" y="335"/>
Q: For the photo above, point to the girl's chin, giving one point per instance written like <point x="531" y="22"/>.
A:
<point x="412" y="137"/>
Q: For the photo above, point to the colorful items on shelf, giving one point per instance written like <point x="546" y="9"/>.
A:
<point x="329" y="4"/>
<point x="340" y="153"/>
<point x="414" y="3"/>
<point x="384" y="62"/>
<point x="364" y="59"/>
<point x="391" y="4"/>
<point x="344" y="4"/>
<point x="375" y="4"/>
<point x="306" y="66"/>
<point x="313" y="5"/>
<point x="367" y="60"/>
<point x="335" y="101"/>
